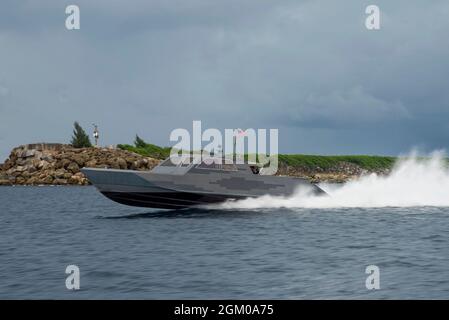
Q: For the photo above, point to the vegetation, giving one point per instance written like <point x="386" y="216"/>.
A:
<point x="139" y="143"/>
<point x="80" y="139"/>
<point x="146" y="149"/>
<point x="325" y="162"/>
<point x="295" y="160"/>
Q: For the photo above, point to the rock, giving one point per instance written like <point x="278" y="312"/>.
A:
<point x="112" y="163"/>
<point x="59" y="173"/>
<point x="67" y="175"/>
<point x="138" y="163"/>
<point x="65" y="162"/>
<point x="48" y="158"/>
<point x="91" y="163"/>
<point x="28" y="153"/>
<point x="13" y="172"/>
<point x="60" y="181"/>
<point x="20" y="180"/>
<point x="78" y="179"/>
<point x="47" y="180"/>
<point x="7" y="165"/>
<point x="33" y="181"/>
<point x="20" y="168"/>
<point x="80" y="159"/>
<point x="43" y="174"/>
<point x="60" y="164"/>
<point x="43" y="165"/>
<point x="25" y="175"/>
<point x="31" y="169"/>
<point x="5" y="182"/>
<point x="121" y="163"/>
<point x="73" y="167"/>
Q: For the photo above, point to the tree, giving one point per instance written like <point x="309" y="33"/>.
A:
<point x="139" y="143"/>
<point x="80" y="139"/>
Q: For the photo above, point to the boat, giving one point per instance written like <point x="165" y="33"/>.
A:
<point x="192" y="183"/>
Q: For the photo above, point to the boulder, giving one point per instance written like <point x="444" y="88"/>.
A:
<point x="25" y="175"/>
<point x="33" y="180"/>
<point x="60" y="164"/>
<point x="43" y="165"/>
<point x="121" y="163"/>
<point x="20" y="180"/>
<point x="7" y="165"/>
<point x="65" y="162"/>
<point x="5" y="182"/>
<point x="59" y="173"/>
<point x="28" y="153"/>
<point x="78" y="179"/>
<point x="91" y="163"/>
<point x="80" y="159"/>
<point x="46" y="180"/>
<point x="73" y="167"/>
<point x="31" y="169"/>
<point x="67" y="175"/>
<point x="60" y="181"/>
<point x="47" y="157"/>
<point x="112" y="163"/>
<point x="20" y="168"/>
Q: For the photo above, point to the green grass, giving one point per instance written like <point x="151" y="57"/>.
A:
<point x="149" y="150"/>
<point x="294" y="160"/>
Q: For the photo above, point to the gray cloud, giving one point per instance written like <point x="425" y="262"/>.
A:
<point x="3" y="91"/>
<point x="309" y="68"/>
<point x="331" y="110"/>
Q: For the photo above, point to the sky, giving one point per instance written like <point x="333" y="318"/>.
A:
<point x="308" y="68"/>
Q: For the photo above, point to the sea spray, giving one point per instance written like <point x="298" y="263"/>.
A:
<point x="414" y="181"/>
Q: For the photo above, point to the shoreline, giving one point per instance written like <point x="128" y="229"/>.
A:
<point x="60" y="164"/>
<point x="46" y="164"/>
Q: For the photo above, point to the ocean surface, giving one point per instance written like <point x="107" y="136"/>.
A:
<point x="281" y="252"/>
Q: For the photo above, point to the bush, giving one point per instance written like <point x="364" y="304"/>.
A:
<point x="146" y="149"/>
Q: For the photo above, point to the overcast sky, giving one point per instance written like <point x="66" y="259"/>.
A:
<point x="309" y="68"/>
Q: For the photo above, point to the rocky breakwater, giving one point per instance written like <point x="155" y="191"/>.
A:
<point x="339" y="173"/>
<point x="59" y="164"/>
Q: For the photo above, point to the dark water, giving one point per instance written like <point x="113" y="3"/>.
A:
<point x="126" y="252"/>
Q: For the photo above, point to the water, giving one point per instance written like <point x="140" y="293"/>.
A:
<point x="414" y="182"/>
<point x="301" y="247"/>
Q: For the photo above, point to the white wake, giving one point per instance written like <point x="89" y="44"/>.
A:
<point x="414" y="181"/>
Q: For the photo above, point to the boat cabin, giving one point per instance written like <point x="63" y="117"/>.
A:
<point x="210" y="164"/>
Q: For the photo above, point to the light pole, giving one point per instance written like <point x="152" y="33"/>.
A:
<point x="96" y="134"/>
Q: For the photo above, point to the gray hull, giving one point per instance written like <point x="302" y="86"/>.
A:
<point x="193" y="187"/>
